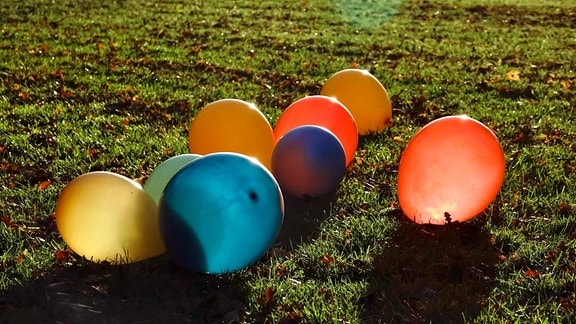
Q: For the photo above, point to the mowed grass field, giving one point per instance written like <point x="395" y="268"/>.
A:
<point x="114" y="85"/>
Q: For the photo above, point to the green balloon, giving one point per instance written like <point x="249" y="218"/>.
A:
<point x="162" y="174"/>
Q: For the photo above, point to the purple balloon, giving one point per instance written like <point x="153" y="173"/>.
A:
<point x="309" y="161"/>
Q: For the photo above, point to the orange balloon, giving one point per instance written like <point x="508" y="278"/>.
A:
<point x="453" y="168"/>
<point x="321" y="111"/>
<point x="231" y="125"/>
<point x="105" y="216"/>
<point x="364" y="96"/>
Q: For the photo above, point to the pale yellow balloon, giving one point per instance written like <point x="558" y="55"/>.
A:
<point x="232" y="125"/>
<point x="105" y="216"/>
<point x="364" y="96"/>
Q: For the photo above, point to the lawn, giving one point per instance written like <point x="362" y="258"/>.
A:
<point x="114" y="85"/>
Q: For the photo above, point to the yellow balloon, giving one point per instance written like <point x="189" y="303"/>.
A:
<point x="231" y="125"/>
<point x="364" y="96"/>
<point x="105" y="216"/>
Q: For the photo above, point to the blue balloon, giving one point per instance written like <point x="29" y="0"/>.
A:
<point x="220" y="213"/>
<point x="309" y="161"/>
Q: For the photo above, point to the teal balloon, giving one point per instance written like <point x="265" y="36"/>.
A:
<point x="162" y="174"/>
<point x="220" y="213"/>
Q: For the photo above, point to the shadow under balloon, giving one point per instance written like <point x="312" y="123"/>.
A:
<point x="183" y="243"/>
<point x="432" y="274"/>
<point x="154" y="290"/>
<point x="157" y="290"/>
<point x="151" y="291"/>
<point x="302" y="218"/>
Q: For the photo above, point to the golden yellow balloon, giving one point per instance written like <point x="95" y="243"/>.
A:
<point x="105" y="216"/>
<point x="364" y="96"/>
<point x="232" y="125"/>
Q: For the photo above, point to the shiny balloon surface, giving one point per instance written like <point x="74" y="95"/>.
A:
<point x="451" y="170"/>
<point x="105" y="216"/>
<point x="309" y="161"/>
<point x="364" y="96"/>
<point x="220" y="213"/>
<point x="232" y="125"/>
<point x="162" y="174"/>
<point x="321" y="111"/>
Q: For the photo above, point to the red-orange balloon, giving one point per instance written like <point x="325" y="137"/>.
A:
<point x="321" y="111"/>
<point x="451" y="170"/>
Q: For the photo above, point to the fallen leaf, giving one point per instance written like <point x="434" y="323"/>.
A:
<point x="268" y="297"/>
<point x="513" y="75"/>
<point x="44" y="184"/>
<point x="21" y="257"/>
<point x="7" y="221"/>
<point x="532" y="273"/>
<point x="62" y="255"/>
<point x="58" y="74"/>
<point x="566" y="84"/>
<point x="327" y="260"/>
<point x="65" y="94"/>
<point x="24" y="96"/>
<point x="281" y="270"/>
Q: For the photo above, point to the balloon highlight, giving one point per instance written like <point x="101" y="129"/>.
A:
<point x="309" y="161"/>
<point x="321" y="111"/>
<point x="220" y="213"/>
<point x="364" y="96"/>
<point x="162" y="174"/>
<point x="105" y="216"/>
<point x="232" y="125"/>
<point x="451" y="170"/>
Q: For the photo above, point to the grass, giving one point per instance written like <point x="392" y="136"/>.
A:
<point x="113" y="86"/>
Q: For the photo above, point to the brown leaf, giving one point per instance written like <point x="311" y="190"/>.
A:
<point x="281" y="270"/>
<point x="268" y="298"/>
<point x="65" y="94"/>
<point x="532" y="273"/>
<point x="21" y="257"/>
<point x="327" y="260"/>
<point x="7" y="221"/>
<point x="566" y="84"/>
<point x="58" y="74"/>
<point x="513" y="75"/>
<point x="44" y="184"/>
<point x="43" y="48"/>
<point x="24" y="95"/>
<point x="62" y="255"/>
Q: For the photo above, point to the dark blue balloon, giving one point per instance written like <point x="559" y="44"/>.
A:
<point x="309" y="161"/>
<point x="220" y="213"/>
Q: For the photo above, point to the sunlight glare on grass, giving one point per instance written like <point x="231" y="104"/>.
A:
<point x="367" y="14"/>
